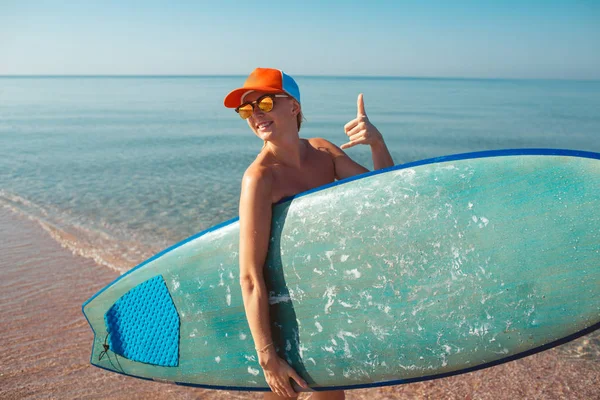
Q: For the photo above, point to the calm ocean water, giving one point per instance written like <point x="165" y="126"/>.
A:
<point x="119" y="168"/>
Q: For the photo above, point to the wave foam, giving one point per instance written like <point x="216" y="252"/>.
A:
<point x="103" y="247"/>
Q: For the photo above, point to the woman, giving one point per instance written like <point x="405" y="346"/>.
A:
<point x="286" y="165"/>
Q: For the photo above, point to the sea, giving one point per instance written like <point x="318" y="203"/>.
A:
<point x="118" y="168"/>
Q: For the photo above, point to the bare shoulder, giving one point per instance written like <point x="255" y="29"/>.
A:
<point x="326" y="146"/>
<point x="258" y="185"/>
<point x="257" y="178"/>
<point x="344" y="165"/>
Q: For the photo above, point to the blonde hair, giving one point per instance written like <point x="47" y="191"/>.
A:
<point x="299" y="119"/>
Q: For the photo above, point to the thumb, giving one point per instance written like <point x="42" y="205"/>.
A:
<point x="299" y="381"/>
<point x="360" y="106"/>
<point x="348" y="145"/>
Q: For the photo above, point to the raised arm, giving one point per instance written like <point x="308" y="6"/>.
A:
<point x="255" y="232"/>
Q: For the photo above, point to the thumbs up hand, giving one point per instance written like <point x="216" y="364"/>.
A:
<point x="361" y="130"/>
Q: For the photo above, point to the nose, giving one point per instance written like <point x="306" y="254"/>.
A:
<point x="257" y="111"/>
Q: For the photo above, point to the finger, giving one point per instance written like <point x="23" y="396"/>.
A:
<point x="287" y="390"/>
<point x="277" y="388"/>
<point x="348" y="145"/>
<point x="274" y="389"/>
<point x="360" y="106"/>
<point x="301" y="382"/>
<point x="283" y="393"/>
<point x="358" y="136"/>
<point x="358" y="128"/>
<point x="351" y="125"/>
<point x="279" y="391"/>
<point x="353" y="143"/>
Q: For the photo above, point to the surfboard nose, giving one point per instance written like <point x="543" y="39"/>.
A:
<point x="143" y="325"/>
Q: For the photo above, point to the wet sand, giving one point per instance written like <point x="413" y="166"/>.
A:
<point x="47" y="341"/>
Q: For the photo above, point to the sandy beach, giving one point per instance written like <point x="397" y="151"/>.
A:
<point x="47" y="341"/>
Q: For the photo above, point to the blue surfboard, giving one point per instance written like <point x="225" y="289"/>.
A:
<point x="415" y="272"/>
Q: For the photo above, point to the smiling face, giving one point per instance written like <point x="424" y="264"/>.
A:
<point x="281" y="119"/>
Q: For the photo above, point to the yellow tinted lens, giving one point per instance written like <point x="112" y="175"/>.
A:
<point x="245" y="111"/>
<point x="266" y="104"/>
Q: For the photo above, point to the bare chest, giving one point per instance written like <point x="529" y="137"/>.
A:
<point x="318" y="171"/>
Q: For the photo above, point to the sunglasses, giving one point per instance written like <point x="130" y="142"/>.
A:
<point x="265" y="104"/>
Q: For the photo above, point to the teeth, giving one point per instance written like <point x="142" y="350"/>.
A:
<point x="263" y="124"/>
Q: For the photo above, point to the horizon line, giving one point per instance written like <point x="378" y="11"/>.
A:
<point x="399" y="77"/>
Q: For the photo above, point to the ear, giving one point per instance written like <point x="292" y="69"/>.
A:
<point x="295" y="107"/>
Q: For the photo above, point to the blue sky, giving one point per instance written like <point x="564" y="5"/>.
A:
<point x="499" y="39"/>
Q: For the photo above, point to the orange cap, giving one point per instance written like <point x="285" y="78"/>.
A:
<point x="266" y="80"/>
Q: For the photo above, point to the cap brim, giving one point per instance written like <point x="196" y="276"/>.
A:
<point x="234" y="98"/>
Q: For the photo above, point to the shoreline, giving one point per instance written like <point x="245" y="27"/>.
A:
<point x="42" y="288"/>
<point x="90" y="243"/>
<point x="43" y="285"/>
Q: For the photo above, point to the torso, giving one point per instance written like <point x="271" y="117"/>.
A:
<point x="317" y="170"/>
